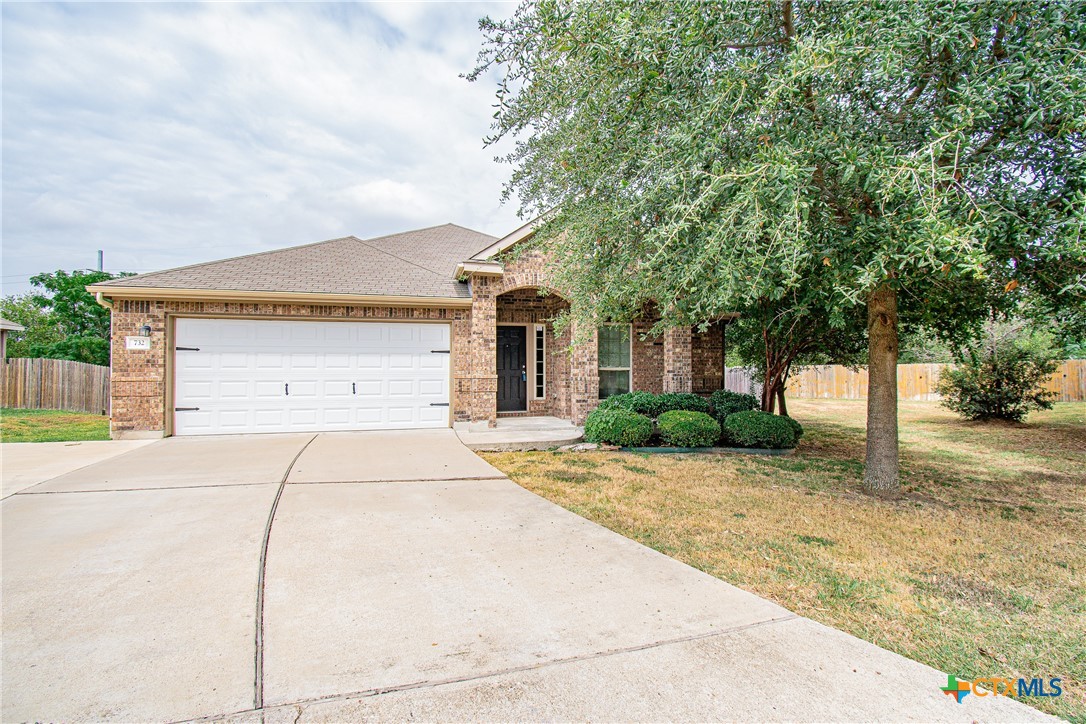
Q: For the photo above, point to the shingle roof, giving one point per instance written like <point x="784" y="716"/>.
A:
<point x="412" y="264"/>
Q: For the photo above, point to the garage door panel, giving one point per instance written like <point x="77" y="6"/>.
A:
<point x="341" y="376"/>
<point x="235" y="390"/>
<point x="304" y="361"/>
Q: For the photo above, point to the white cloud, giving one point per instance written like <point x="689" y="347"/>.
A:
<point x="171" y="134"/>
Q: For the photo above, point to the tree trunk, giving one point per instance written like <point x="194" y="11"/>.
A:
<point x="881" y="461"/>
<point x="780" y="400"/>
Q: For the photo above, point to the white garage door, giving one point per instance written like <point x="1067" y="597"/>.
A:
<point x="238" y="375"/>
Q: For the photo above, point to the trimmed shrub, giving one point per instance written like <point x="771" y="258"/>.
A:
<point x="646" y="403"/>
<point x="726" y="402"/>
<point x="759" y="429"/>
<point x="681" y="401"/>
<point x="617" y="427"/>
<point x="643" y="403"/>
<point x="684" y="428"/>
<point x="796" y="427"/>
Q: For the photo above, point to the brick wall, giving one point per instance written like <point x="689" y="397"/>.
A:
<point x="677" y="360"/>
<point x="707" y="360"/>
<point x="647" y="358"/>
<point x="138" y="384"/>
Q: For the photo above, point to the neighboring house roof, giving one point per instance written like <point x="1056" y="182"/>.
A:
<point x="9" y="326"/>
<point x="409" y="264"/>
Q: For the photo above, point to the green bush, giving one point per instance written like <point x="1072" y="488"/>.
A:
<point x="643" y="403"/>
<point x="726" y="402"/>
<point x="797" y="429"/>
<point x="646" y="403"/>
<point x="617" y="427"/>
<point x="684" y="428"/>
<point x="1001" y="377"/>
<point x="759" y="429"/>
<point x="680" y="401"/>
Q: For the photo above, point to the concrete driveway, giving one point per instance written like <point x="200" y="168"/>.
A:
<point x="391" y="575"/>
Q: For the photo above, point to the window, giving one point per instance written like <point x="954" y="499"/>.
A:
<point x="614" y="359"/>
<point x="539" y="356"/>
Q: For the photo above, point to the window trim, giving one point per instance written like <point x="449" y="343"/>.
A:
<point x="539" y="361"/>
<point x="627" y="370"/>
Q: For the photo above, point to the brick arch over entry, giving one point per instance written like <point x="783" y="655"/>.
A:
<point x="579" y="391"/>
<point x="529" y="271"/>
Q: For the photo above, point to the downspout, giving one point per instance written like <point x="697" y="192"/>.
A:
<point x="101" y="299"/>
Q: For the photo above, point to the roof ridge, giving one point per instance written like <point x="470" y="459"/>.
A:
<point x="231" y="258"/>
<point x="394" y="256"/>
<point x="414" y="231"/>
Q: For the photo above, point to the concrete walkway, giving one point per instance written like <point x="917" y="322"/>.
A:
<point x="390" y="576"/>
<point x="519" y="433"/>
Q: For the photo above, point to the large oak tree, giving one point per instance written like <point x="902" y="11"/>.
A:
<point x="703" y="155"/>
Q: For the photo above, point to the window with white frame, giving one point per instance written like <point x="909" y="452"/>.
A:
<point x="614" y="359"/>
<point x="540" y="356"/>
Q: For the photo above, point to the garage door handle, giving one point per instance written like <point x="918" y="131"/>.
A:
<point x="440" y="351"/>
<point x="185" y="409"/>
<point x="187" y="349"/>
<point x="353" y="390"/>
<point x="286" y="388"/>
<point x="439" y="404"/>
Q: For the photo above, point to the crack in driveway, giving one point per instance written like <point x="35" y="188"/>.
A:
<point x="258" y="663"/>
<point x="301" y="704"/>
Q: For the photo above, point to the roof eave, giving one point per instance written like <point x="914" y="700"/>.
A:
<point x="515" y="237"/>
<point x="220" y="295"/>
<point x="486" y="268"/>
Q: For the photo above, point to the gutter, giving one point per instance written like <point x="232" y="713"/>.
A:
<point x="227" y="295"/>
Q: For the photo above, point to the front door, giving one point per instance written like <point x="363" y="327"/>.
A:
<point x="512" y="370"/>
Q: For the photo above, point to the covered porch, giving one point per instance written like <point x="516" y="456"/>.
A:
<point x="522" y="368"/>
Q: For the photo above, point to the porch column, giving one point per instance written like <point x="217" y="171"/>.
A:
<point x="584" y="377"/>
<point x="482" y="381"/>
<point x="678" y="360"/>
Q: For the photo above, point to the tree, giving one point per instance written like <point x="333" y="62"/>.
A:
<point x="703" y="155"/>
<point x="62" y="320"/>
<point x="1000" y="376"/>
<point x="777" y="336"/>
<point x="38" y="331"/>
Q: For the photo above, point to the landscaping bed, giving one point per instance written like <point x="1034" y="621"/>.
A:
<point x="681" y="422"/>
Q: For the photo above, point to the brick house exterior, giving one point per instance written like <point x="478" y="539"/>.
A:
<point x="349" y="283"/>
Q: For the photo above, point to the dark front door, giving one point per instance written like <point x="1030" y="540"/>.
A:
<point x="512" y="378"/>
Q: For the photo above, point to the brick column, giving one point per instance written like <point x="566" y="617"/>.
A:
<point x="482" y="381"/>
<point x="584" y="378"/>
<point x="137" y="387"/>
<point x="678" y="374"/>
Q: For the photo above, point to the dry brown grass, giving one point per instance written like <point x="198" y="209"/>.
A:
<point x="977" y="570"/>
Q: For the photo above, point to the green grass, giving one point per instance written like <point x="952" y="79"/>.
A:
<point x="51" y="426"/>
<point x="978" y="569"/>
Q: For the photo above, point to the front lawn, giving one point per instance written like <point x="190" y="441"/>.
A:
<point x="979" y="570"/>
<point x="51" y="426"/>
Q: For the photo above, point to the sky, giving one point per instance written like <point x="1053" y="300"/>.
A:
<point x="170" y="134"/>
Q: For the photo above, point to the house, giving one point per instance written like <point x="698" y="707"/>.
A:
<point x="5" y="327"/>
<point x="426" y="328"/>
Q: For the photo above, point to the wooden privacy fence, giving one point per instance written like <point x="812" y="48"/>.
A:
<point x="916" y="382"/>
<point x="54" y="384"/>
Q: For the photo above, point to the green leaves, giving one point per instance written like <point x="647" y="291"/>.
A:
<point x="62" y="319"/>
<point x="706" y="156"/>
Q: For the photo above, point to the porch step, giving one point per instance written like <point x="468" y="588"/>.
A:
<point x="520" y="433"/>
